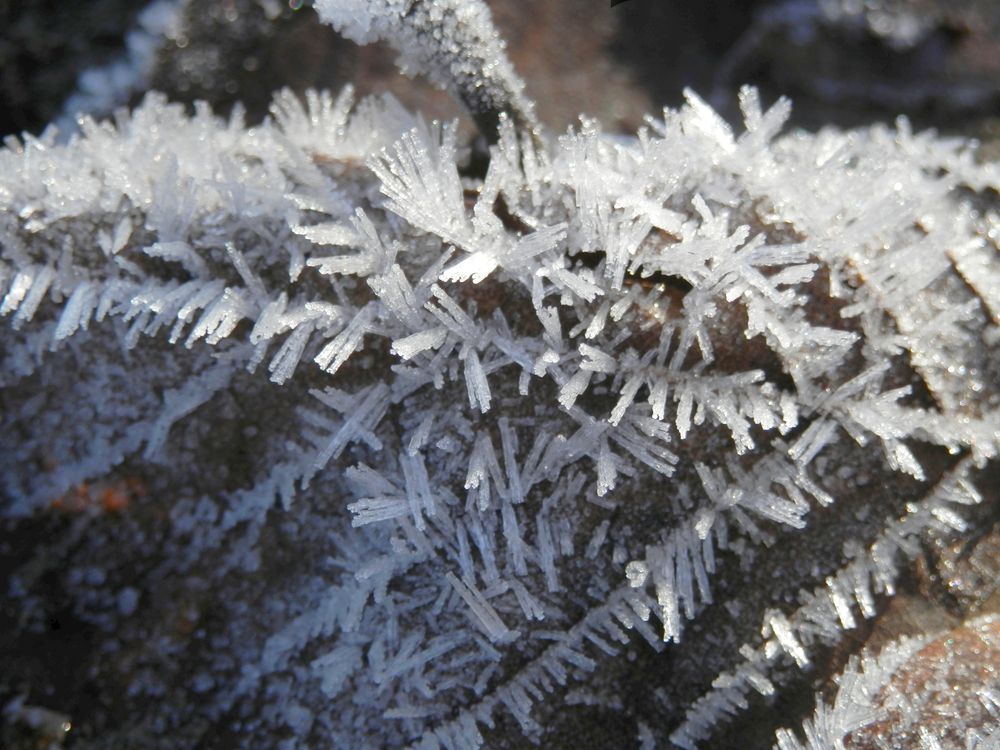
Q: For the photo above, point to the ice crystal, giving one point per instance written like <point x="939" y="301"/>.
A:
<point x="435" y="448"/>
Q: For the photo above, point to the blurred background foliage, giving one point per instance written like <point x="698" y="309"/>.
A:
<point x="843" y="62"/>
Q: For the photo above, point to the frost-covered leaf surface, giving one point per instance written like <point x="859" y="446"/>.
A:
<point x="422" y="453"/>
<point x="927" y="692"/>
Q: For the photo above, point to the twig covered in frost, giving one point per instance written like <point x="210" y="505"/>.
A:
<point x="452" y="42"/>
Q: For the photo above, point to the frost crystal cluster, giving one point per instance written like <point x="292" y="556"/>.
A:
<point x="434" y="459"/>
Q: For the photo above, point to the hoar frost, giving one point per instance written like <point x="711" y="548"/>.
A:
<point x="447" y="446"/>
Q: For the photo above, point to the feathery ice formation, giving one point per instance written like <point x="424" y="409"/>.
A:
<point x="435" y="460"/>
